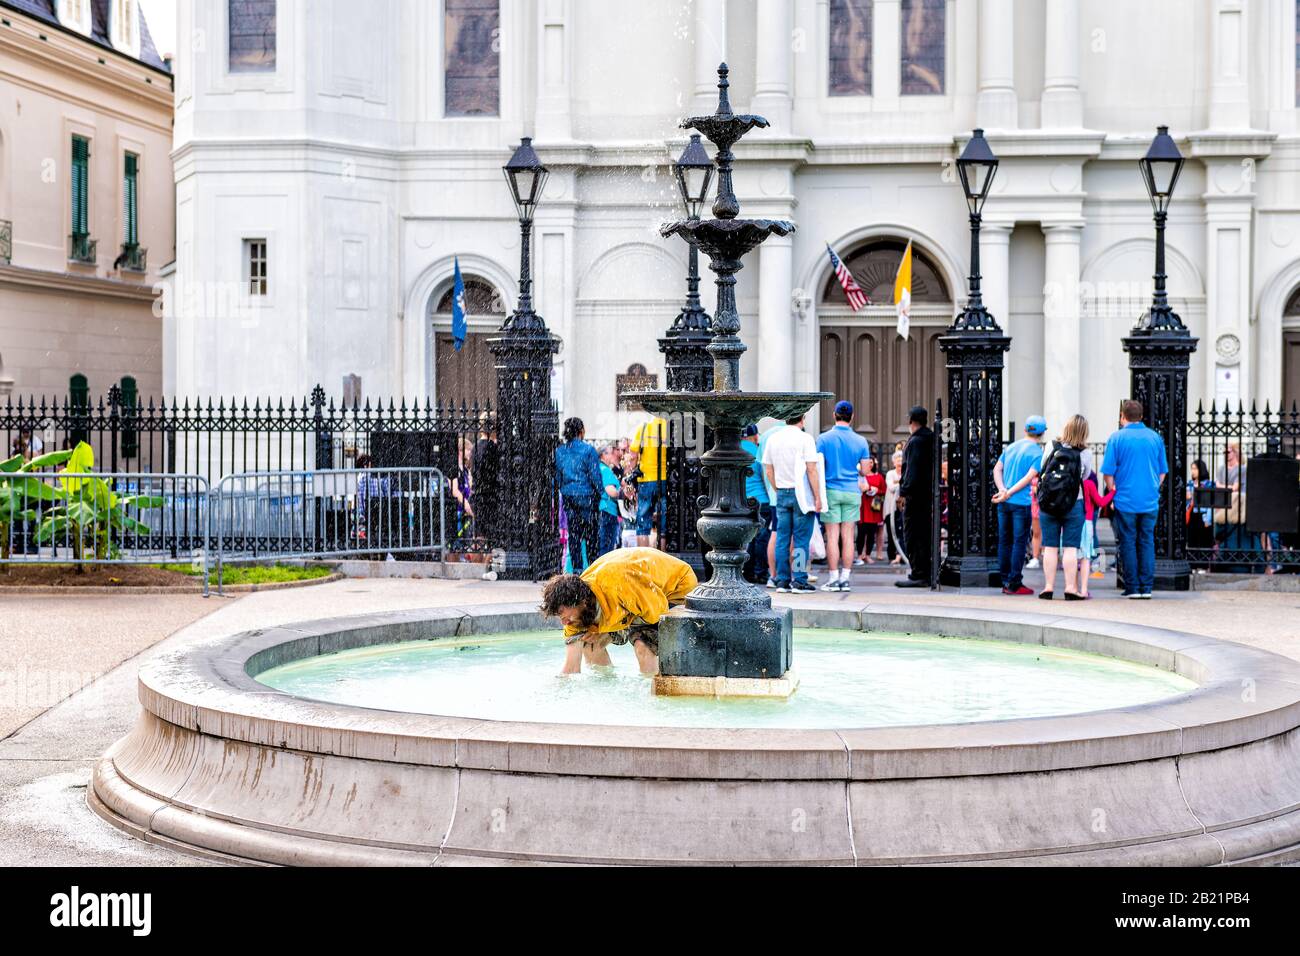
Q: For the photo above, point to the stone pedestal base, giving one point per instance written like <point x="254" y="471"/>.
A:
<point x="782" y="686"/>
<point x="753" y="644"/>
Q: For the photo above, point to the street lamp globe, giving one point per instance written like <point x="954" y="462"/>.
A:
<point x="694" y="172"/>
<point x="977" y="166"/>
<point x="527" y="178"/>
<point x="1160" y="168"/>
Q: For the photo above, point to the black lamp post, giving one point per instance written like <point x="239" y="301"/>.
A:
<point x="973" y="346"/>
<point x="1159" y="351"/>
<point x="688" y="367"/>
<point x="527" y="421"/>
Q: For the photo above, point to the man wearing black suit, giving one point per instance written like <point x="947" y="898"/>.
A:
<point x="915" y="491"/>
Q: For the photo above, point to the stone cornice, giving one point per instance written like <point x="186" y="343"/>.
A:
<point x="69" y="53"/>
<point x="42" y="280"/>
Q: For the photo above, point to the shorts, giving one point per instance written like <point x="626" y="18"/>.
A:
<point x="647" y="634"/>
<point x="647" y="506"/>
<point x="842" y="506"/>
<point x="1064" y="532"/>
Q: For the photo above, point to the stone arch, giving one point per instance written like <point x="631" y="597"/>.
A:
<point x="614" y="276"/>
<point x="417" y="334"/>
<point x="1270" y="327"/>
<point x="874" y="265"/>
<point x="626" y="297"/>
<point x="1115" y="289"/>
<point x="1138" y="255"/>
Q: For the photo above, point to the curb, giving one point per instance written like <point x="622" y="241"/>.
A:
<point x="49" y="589"/>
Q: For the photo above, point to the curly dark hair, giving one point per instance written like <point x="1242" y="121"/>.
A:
<point x="569" y="590"/>
<point x="573" y="428"/>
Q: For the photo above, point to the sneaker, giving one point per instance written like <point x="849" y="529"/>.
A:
<point x="858" y="563"/>
<point x="1018" y="592"/>
<point x="1145" y="596"/>
<point x="846" y="585"/>
<point x="783" y="588"/>
<point x="1133" y="596"/>
<point x="771" y="584"/>
<point x="831" y="585"/>
<point x="812" y="578"/>
<point x="1032" y="563"/>
<point x="798" y="588"/>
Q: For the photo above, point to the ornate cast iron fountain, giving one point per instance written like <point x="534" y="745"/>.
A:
<point x="728" y="639"/>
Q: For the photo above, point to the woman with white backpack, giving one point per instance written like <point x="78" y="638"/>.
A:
<point x="1060" y="477"/>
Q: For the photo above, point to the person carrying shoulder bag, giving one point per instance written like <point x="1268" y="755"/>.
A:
<point x="1060" y="504"/>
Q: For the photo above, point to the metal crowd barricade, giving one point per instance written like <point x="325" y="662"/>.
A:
<point x="340" y="512"/>
<point x="90" y="518"/>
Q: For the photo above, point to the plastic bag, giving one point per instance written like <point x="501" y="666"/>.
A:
<point x="817" y="545"/>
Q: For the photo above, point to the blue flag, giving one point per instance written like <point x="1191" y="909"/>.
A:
<point x="458" y="309"/>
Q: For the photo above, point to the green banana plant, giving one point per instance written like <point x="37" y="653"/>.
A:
<point x="90" y="511"/>
<point x="18" y="489"/>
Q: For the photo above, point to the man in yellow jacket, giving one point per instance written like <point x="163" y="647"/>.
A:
<point x="619" y="599"/>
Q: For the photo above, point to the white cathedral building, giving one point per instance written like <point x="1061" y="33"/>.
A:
<point x="335" y="159"/>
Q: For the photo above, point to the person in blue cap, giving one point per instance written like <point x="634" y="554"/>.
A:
<point x="846" y="453"/>
<point x="1015" y="516"/>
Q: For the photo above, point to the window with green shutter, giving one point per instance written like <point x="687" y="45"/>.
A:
<point x="80" y="186"/>
<point x="130" y="201"/>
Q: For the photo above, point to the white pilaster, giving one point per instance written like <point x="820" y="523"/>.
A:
<point x="996" y="106"/>
<point x="775" y="315"/>
<point x="1061" y="388"/>
<point x="773" y="86"/>
<point x="1062" y="102"/>
<point x="710" y="50"/>
<point x="995" y="284"/>
<point x="1229" y="94"/>
<point x="1225" y="342"/>
<point x="553" y="122"/>
<point x="886" y="34"/>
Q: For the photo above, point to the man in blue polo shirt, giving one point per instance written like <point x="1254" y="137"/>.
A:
<point x="845" y="452"/>
<point x="1015" y="515"/>
<point x="1135" y="465"/>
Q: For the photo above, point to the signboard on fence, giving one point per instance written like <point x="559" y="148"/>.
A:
<point x="1273" y="495"/>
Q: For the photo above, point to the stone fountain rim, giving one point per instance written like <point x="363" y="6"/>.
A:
<point x="208" y="689"/>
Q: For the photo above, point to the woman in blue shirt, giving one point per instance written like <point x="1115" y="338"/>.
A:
<point x="577" y="468"/>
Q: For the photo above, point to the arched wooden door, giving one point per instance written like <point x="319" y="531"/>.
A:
<point x="881" y="374"/>
<point x="863" y="358"/>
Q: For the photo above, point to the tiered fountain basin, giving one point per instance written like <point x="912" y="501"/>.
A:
<point x="1201" y="768"/>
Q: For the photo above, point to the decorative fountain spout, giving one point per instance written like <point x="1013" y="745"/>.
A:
<point x="727" y="639"/>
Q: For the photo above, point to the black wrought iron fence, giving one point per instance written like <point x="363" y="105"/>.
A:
<point x="215" y="437"/>
<point x="1242" y="505"/>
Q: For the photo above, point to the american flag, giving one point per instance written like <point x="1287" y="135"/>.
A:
<point x="857" y="298"/>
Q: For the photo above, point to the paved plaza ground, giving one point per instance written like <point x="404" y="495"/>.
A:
<point x="70" y="663"/>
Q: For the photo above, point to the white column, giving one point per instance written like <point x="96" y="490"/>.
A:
<point x="553" y="122"/>
<point x="1061" y="389"/>
<point x="1062" y="103"/>
<point x="710" y="50"/>
<point x="886" y="35"/>
<point x="1229" y="95"/>
<point x="773" y="87"/>
<point x="995" y="284"/>
<point x="996" y="106"/>
<point x="775" y="315"/>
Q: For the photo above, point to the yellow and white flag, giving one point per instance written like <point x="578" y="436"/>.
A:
<point x="903" y="291"/>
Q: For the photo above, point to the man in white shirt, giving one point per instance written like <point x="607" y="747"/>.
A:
<point x="790" y="457"/>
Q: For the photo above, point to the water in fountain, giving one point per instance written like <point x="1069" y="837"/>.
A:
<point x="848" y="679"/>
